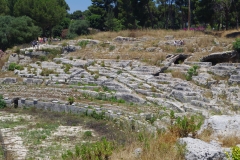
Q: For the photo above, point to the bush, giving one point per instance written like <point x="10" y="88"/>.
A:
<point x="185" y="125"/>
<point x="71" y="100"/>
<point x="87" y="134"/>
<point x="236" y="45"/>
<point x="13" y="66"/>
<point x="191" y="72"/>
<point x="101" y="150"/>
<point x="235" y="153"/>
<point x="2" y="102"/>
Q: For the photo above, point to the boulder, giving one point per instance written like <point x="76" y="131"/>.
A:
<point x="223" y="125"/>
<point x="200" y="150"/>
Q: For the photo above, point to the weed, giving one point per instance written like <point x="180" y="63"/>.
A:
<point x="191" y="72"/>
<point x="13" y="66"/>
<point x="71" y="100"/>
<point x="2" y="102"/>
<point x="235" y="153"/>
<point x="185" y="125"/>
<point x="236" y="45"/>
<point x="179" y="50"/>
<point x="46" y="72"/>
<point x="67" y="67"/>
<point x="119" y="72"/>
<point x="111" y="48"/>
<point x="83" y="43"/>
<point x="101" y="150"/>
<point x="87" y="134"/>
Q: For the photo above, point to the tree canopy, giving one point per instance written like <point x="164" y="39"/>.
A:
<point x="16" y="31"/>
<point x="45" y="13"/>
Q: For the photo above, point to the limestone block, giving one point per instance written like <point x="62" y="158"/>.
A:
<point x="200" y="150"/>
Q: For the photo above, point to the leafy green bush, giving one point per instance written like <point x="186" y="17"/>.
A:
<point x="101" y="150"/>
<point x="2" y="102"/>
<point x="236" y="45"/>
<point x="87" y="134"/>
<point x="182" y="126"/>
<point x="191" y="72"/>
<point x="71" y="100"/>
<point x="235" y="153"/>
<point x="13" y="66"/>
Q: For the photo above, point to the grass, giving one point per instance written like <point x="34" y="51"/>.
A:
<point x="230" y="140"/>
<point x="163" y="147"/>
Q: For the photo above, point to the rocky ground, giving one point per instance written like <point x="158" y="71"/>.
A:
<point x="128" y="89"/>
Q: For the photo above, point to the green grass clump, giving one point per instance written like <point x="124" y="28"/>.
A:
<point x="83" y="43"/>
<point x="2" y="102"/>
<point x="101" y="150"/>
<point x="13" y="66"/>
<point x="191" y="72"/>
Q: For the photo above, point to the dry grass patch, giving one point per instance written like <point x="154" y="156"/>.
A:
<point x="230" y="140"/>
<point x="3" y="59"/>
<point x="163" y="147"/>
<point x="206" y="135"/>
<point x="178" y="74"/>
<point x="208" y="94"/>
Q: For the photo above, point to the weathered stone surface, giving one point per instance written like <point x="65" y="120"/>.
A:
<point x="13" y="58"/>
<point x="223" y="125"/>
<point x="124" y="39"/>
<point x="8" y="80"/>
<point x="200" y="150"/>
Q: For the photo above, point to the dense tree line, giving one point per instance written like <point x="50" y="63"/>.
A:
<point x="50" y="18"/>
<point x="164" y="14"/>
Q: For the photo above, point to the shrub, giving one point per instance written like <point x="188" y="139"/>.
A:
<point x="185" y="125"/>
<point x="236" y="45"/>
<point x="71" y="100"/>
<point x="191" y="72"/>
<point x="2" y="102"/>
<point x="235" y="153"/>
<point x="101" y="150"/>
<point x="87" y="134"/>
<point x="13" y="66"/>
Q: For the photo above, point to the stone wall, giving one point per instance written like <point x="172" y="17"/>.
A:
<point x="132" y="122"/>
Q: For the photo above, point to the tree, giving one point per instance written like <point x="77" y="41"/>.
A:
<point x="45" y="13"/>
<point x="11" y="4"/>
<point x="77" y="15"/>
<point x="16" y="31"/>
<point x="112" y="23"/>
<point x="3" y="7"/>
<point x="78" y="27"/>
<point x="224" y="6"/>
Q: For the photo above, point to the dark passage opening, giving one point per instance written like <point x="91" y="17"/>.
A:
<point x="15" y="102"/>
<point x="221" y="60"/>
<point x="180" y="60"/>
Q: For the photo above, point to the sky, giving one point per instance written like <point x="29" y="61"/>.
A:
<point x="78" y="5"/>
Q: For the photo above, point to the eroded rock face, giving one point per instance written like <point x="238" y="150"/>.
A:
<point x="229" y="56"/>
<point x="223" y="125"/>
<point x="200" y="150"/>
